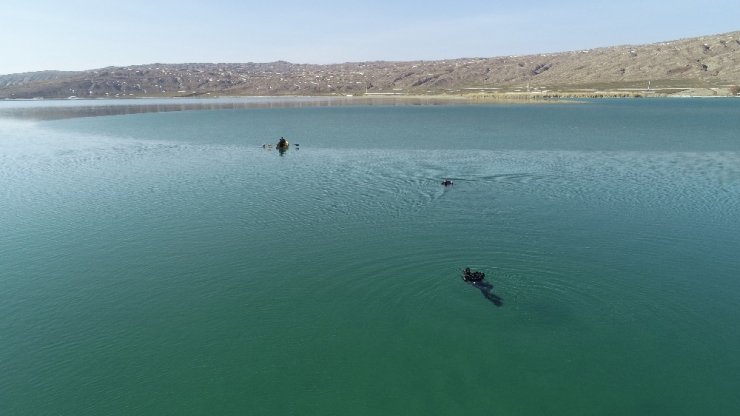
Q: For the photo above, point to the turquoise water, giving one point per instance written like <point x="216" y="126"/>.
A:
<point x="165" y="263"/>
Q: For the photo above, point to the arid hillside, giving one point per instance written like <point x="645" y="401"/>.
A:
<point x="708" y="65"/>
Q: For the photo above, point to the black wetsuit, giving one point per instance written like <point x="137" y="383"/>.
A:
<point x="469" y="276"/>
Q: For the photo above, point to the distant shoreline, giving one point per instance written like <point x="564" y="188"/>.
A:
<point x="476" y="94"/>
<point x="452" y="97"/>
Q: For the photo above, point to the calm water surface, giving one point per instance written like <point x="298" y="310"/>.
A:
<point x="162" y="262"/>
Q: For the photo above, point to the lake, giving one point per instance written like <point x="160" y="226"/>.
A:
<point x="156" y="259"/>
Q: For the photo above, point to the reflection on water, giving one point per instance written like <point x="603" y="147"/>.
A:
<point x="62" y="109"/>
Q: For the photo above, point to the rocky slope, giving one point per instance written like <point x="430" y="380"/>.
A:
<point x="710" y="63"/>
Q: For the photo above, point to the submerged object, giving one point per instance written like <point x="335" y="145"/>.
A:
<point x="282" y="143"/>
<point x="447" y="182"/>
<point x="471" y="276"/>
<point x="477" y="280"/>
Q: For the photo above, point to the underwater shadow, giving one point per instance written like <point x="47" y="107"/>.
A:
<point x="487" y="290"/>
<point x="477" y="280"/>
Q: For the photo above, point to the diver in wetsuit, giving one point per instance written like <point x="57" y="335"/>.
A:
<point x="470" y="276"/>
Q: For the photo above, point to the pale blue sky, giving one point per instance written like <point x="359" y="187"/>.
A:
<point x="81" y="34"/>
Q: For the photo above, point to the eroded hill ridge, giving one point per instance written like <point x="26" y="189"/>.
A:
<point x="707" y="65"/>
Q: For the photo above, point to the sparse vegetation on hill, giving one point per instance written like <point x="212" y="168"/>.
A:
<point x="709" y="65"/>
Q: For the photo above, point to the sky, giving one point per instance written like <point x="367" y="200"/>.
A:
<point x="40" y="35"/>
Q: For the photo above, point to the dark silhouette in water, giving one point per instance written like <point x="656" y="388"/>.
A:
<point x="476" y="279"/>
<point x="282" y="143"/>
<point x="470" y="276"/>
<point x="487" y="290"/>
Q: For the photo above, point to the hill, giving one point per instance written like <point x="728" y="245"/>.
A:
<point x="708" y="65"/>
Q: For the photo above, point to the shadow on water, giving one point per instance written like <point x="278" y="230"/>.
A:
<point x="487" y="290"/>
<point x="477" y="280"/>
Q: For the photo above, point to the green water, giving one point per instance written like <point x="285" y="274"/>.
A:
<point x="164" y="263"/>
